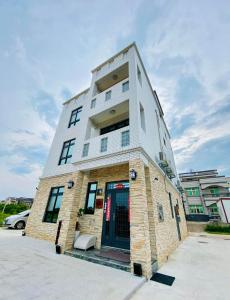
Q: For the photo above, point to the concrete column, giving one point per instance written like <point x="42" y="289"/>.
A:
<point x="139" y="223"/>
<point x="70" y="209"/>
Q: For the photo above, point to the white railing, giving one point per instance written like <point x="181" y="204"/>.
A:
<point x="117" y="97"/>
<point x="114" y="145"/>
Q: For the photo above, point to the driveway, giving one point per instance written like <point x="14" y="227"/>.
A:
<point x="30" y="269"/>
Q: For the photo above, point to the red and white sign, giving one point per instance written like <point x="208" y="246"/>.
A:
<point x="108" y="209"/>
<point x="119" y="186"/>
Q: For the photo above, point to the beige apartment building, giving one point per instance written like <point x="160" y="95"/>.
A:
<point x="110" y="173"/>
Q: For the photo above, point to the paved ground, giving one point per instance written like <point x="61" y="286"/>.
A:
<point x="30" y="269"/>
<point x="201" y="266"/>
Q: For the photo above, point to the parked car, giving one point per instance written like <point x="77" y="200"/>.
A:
<point x="17" y="221"/>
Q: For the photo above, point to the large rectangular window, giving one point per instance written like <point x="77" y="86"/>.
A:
<point x="215" y="191"/>
<point x="90" y="198"/>
<point x="115" y="126"/>
<point x="193" y="192"/>
<point x="66" y="153"/>
<point x="196" y="209"/>
<point x="75" y="116"/>
<point x="54" y="204"/>
<point x="104" y="144"/>
<point x="125" y="138"/>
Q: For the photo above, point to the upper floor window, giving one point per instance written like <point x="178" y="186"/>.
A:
<point x="215" y="191"/>
<point x="193" y="191"/>
<point x="108" y="95"/>
<point x="90" y="198"/>
<point x="54" y="204"/>
<point x="66" y="153"/>
<point x="93" y="103"/>
<point x="125" y="138"/>
<point x="85" y="151"/>
<point x="115" y="126"/>
<point x="104" y="144"/>
<point x="75" y="116"/>
<point x="125" y="86"/>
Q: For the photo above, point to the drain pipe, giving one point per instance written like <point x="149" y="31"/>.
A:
<point x="58" y="247"/>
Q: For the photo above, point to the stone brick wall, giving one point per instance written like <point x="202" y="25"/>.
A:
<point x="166" y="235"/>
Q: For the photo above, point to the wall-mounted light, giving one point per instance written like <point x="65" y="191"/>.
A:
<point x="156" y="179"/>
<point x="133" y="174"/>
<point x="70" y="184"/>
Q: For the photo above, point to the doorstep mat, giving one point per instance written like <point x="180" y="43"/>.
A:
<point x="164" y="279"/>
<point x="115" y="255"/>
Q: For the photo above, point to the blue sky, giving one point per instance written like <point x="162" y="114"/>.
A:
<point x="48" y="48"/>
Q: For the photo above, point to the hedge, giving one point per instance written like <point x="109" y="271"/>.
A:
<point x="217" y="228"/>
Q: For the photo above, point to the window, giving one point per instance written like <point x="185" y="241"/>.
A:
<point x="125" y="86"/>
<point x="93" y="103"/>
<point x="113" y="127"/>
<point x="196" y="209"/>
<point x="66" y="153"/>
<point x="125" y="138"/>
<point x="108" y="95"/>
<point x="160" y="212"/>
<point x="75" y="116"/>
<point x="213" y="209"/>
<point x="171" y="205"/>
<point x="90" y="198"/>
<point x="164" y="142"/>
<point x="139" y="75"/>
<point x="85" y="151"/>
<point x="142" y="115"/>
<point x="54" y="204"/>
<point x="215" y="191"/>
<point x="104" y="143"/>
<point x="193" y="192"/>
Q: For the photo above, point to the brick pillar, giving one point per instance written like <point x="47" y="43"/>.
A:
<point x="70" y="209"/>
<point x="139" y="223"/>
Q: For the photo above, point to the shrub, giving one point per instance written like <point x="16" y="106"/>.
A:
<point x="217" y="228"/>
<point x="13" y="209"/>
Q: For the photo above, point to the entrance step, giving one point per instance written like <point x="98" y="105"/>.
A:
<point x="94" y="255"/>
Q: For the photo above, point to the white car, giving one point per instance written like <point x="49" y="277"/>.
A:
<point x="17" y="221"/>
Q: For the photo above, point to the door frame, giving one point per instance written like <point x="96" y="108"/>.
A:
<point x="104" y="241"/>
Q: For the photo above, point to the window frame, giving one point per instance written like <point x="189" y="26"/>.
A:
<point x="114" y="127"/>
<point x="171" y="204"/>
<point x="124" y="84"/>
<point x="192" y="192"/>
<point x="193" y="209"/>
<point x="122" y="138"/>
<point x="65" y="158"/>
<point x="75" y="112"/>
<point x="87" y="210"/>
<point x="104" y="147"/>
<point x="85" y="150"/>
<point x="55" y="201"/>
<point x="108" y="93"/>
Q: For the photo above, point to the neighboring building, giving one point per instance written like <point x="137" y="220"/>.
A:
<point x="111" y="155"/>
<point x="224" y="209"/>
<point x="203" y="189"/>
<point x="21" y="200"/>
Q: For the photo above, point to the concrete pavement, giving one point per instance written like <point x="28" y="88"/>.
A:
<point x="30" y="269"/>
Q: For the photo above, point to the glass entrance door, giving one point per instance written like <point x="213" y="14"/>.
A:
<point x="116" y="220"/>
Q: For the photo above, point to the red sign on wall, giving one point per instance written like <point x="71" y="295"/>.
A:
<point x="108" y="209"/>
<point x="119" y="186"/>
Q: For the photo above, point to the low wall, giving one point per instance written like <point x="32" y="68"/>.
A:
<point x="196" y="226"/>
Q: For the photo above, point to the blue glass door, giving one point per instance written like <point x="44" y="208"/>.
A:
<point x="116" y="220"/>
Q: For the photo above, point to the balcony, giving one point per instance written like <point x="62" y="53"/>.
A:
<point x="105" y="144"/>
<point x="110" y="97"/>
<point x="209" y="196"/>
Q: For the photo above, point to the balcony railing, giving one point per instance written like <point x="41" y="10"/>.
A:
<point x="109" y="143"/>
<point x="217" y="195"/>
<point x="102" y="101"/>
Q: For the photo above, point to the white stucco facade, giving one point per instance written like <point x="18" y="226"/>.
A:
<point x="139" y="104"/>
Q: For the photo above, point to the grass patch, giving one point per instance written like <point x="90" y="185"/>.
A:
<point x="218" y="228"/>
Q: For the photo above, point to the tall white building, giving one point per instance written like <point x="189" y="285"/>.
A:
<point x="113" y="147"/>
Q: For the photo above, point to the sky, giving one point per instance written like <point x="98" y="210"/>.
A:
<point x="48" y="49"/>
